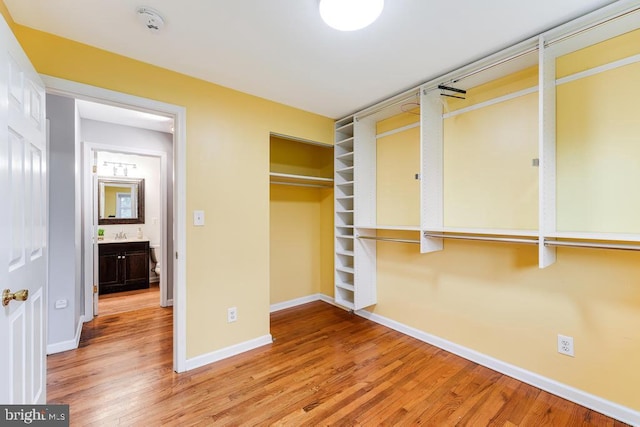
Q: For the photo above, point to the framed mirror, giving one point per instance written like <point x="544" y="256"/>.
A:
<point x="120" y="200"/>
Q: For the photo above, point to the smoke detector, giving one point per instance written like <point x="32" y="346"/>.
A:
<point x="151" y="19"/>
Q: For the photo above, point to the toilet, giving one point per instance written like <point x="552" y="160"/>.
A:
<point x="154" y="255"/>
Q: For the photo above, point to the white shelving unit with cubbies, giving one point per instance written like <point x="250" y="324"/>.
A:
<point x="344" y="282"/>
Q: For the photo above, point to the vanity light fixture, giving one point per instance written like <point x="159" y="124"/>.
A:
<point x="120" y="165"/>
<point x="350" y="15"/>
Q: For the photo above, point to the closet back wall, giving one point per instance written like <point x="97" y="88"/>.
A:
<point x="301" y="244"/>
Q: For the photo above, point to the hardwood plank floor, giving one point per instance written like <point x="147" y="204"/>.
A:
<point x="325" y="367"/>
<point x="123" y="302"/>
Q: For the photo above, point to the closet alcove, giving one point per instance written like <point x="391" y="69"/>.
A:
<point x="301" y="218"/>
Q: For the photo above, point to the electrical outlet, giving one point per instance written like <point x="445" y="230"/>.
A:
<point x="232" y="314"/>
<point x="565" y="345"/>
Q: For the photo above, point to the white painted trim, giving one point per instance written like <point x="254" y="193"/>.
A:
<point x="170" y="302"/>
<point x="600" y="69"/>
<point x="293" y="303"/>
<point x="580" y="397"/>
<point x="493" y="101"/>
<point x="398" y="130"/>
<point x="227" y="352"/>
<point x="63" y="87"/>
<point x="87" y="237"/>
<point x="304" y="300"/>
<point x="59" y="347"/>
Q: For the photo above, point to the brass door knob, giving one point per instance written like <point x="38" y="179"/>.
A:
<point x="8" y="296"/>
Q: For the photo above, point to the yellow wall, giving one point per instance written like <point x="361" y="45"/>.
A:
<point x="489" y="180"/>
<point x="327" y="246"/>
<point x="599" y="54"/>
<point x="227" y="260"/>
<point x="492" y="297"/>
<point x="298" y="158"/>
<point x="598" y="142"/>
<point x="110" y="196"/>
<point x="398" y="161"/>
<point x="300" y="257"/>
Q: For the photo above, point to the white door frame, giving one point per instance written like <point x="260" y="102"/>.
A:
<point x="57" y="86"/>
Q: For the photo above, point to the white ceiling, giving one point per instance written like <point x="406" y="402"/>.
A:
<point x="282" y="51"/>
<point x="122" y="116"/>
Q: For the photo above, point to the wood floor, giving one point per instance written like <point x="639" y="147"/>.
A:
<point x="123" y="302"/>
<point x="326" y="367"/>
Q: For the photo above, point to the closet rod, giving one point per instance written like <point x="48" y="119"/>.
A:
<point x="591" y="27"/>
<point x="482" y="238"/>
<point x="495" y="64"/>
<point x="402" y="98"/>
<point x="592" y="245"/>
<point x="389" y="239"/>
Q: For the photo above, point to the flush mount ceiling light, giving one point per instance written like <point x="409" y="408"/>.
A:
<point x="151" y="19"/>
<point x="350" y="15"/>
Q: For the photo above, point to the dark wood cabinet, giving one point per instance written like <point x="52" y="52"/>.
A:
<point x="123" y="266"/>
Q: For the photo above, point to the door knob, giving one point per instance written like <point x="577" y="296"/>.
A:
<point x="7" y="296"/>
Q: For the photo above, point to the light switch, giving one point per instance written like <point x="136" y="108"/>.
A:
<point x="198" y="218"/>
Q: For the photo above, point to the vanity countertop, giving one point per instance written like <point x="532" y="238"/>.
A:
<point x="122" y="240"/>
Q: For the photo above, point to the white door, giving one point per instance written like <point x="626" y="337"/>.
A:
<point x="23" y="225"/>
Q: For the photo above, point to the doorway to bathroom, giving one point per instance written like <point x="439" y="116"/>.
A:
<point x="132" y="203"/>
<point x="173" y="162"/>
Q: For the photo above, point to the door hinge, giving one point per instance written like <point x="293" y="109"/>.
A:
<point x="95" y="289"/>
<point x="95" y="169"/>
<point x="176" y="255"/>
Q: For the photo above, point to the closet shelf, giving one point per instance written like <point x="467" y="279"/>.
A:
<point x="345" y="269"/>
<point x="389" y="227"/>
<point x="347" y="170"/>
<point x="346" y="286"/>
<point x="346" y="236"/>
<point x="484" y="231"/>
<point x="589" y="236"/>
<point x="345" y="141"/>
<point x="348" y="126"/>
<point x="345" y="253"/>
<point x="345" y="156"/>
<point x="484" y="238"/>
<point x="302" y="180"/>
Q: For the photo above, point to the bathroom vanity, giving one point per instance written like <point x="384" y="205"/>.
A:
<point x="123" y="266"/>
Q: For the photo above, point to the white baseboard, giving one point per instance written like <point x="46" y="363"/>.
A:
<point x="59" y="347"/>
<point x="304" y="300"/>
<point x="580" y="397"/>
<point x="294" y="302"/>
<point x="224" y="353"/>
